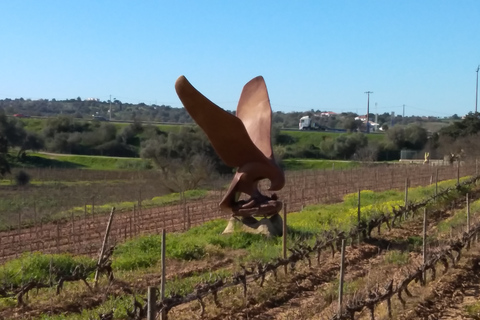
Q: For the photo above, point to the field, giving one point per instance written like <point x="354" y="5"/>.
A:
<point x="204" y="268"/>
<point x="302" y="137"/>
<point x="37" y="124"/>
<point x="69" y="161"/>
<point x="313" y="137"/>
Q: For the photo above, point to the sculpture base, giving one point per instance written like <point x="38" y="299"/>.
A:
<point x="271" y="227"/>
<point x="252" y="209"/>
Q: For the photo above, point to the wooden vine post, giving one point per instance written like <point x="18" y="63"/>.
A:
<point x="340" y="283"/>
<point x="102" y="251"/>
<point x="134" y="221"/>
<point x="151" y="303"/>
<point x="358" y="216"/>
<point x="476" y="167"/>
<point x="468" y="213"/>
<point x="406" y="200"/>
<point x="424" y="244"/>
<point x="184" y="210"/>
<point x="163" y="313"/>
<point x="284" y="236"/>
<point x="458" y="173"/>
<point x="436" y="184"/>
<point x="19" y="230"/>
<point x="57" y="239"/>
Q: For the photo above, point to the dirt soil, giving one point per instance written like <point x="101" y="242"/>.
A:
<point x="307" y="292"/>
<point x="451" y="294"/>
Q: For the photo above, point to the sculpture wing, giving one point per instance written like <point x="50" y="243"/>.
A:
<point x="256" y="114"/>
<point x="226" y="132"/>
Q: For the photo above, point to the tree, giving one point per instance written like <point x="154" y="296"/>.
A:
<point x="367" y="153"/>
<point x="347" y="144"/>
<point x="185" y="159"/>
<point x="351" y="124"/>
<point x="415" y="137"/>
<point x="4" y="165"/>
<point x="396" y="137"/>
<point x="412" y="137"/>
<point x="12" y="134"/>
<point x="129" y="134"/>
<point x="461" y="137"/>
<point x="32" y="141"/>
<point x="468" y="126"/>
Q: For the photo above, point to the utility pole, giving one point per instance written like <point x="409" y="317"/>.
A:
<point x="403" y="112"/>
<point x="476" y="91"/>
<point x="110" y="108"/>
<point x="368" y="110"/>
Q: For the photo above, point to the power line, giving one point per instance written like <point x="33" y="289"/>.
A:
<point x="430" y="111"/>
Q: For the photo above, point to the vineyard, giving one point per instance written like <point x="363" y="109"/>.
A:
<point x="363" y="223"/>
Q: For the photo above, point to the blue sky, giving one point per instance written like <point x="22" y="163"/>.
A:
<point x="313" y="54"/>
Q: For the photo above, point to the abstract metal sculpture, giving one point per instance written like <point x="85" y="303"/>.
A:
<point x="242" y="141"/>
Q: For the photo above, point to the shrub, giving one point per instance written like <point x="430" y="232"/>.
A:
<point x="22" y="178"/>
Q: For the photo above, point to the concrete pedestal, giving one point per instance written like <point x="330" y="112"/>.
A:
<point x="272" y="226"/>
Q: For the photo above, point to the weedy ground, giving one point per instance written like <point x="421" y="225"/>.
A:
<point x="202" y="253"/>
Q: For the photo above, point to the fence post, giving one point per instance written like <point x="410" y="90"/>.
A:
<point x="284" y="236"/>
<point x="340" y="284"/>
<point x="163" y="314"/>
<point x="424" y="245"/>
<point x="436" y="184"/>
<point x="151" y="301"/>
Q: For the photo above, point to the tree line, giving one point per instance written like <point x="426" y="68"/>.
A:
<point x="88" y="108"/>
<point x="189" y="149"/>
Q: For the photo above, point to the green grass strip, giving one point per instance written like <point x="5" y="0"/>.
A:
<point x="161" y="201"/>
<point x="144" y="251"/>
<point x="37" y="266"/>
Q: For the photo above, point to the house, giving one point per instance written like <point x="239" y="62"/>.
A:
<point x="328" y="114"/>
<point x="362" y="118"/>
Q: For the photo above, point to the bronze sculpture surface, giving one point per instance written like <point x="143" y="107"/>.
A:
<point x="242" y="141"/>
